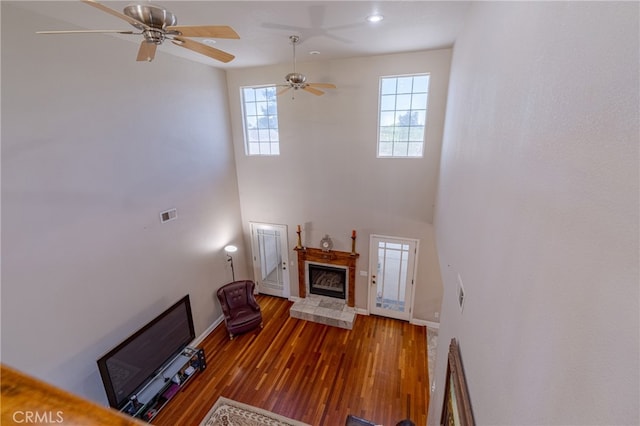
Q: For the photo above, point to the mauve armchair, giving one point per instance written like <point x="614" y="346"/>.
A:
<point x="239" y="307"/>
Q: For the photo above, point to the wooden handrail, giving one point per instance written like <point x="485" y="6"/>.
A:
<point x="28" y="401"/>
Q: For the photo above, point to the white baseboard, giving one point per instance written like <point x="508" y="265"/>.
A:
<point x="208" y="331"/>
<point x="425" y="323"/>
<point x="362" y="311"/>
<point x="434" y="325"/>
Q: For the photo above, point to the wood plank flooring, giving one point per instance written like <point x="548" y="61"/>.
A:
<point x="312" y="372"/>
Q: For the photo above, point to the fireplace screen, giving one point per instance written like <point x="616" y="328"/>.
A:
<point x="327" y="281"/>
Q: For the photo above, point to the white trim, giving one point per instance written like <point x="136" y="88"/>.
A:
<point x="425" y="323"/>
<point x="208" y="331"/>
<point x="362" y="311"/>
<point x="434" y="325"/>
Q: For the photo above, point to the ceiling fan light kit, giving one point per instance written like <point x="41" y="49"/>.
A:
<point x="296" y="80"/>
<point x="158" y="24"/>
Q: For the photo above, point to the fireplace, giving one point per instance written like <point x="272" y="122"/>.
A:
<point x="336" y="259"/>
<point x="327" y="280"/>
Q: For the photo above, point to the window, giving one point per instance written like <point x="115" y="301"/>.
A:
<point x="260" y="113"/>
<point x="403" y="115"/>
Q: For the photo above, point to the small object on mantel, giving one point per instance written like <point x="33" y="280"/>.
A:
<point x="326" y="244"/>
<point x="353" y="242"/>
<point x="299" y="231"/>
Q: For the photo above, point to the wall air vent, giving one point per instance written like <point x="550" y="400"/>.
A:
<point x="168" y="215"/>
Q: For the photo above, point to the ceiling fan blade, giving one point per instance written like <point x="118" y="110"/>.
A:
<point x="203" y="49"/>
<point x="281" y="91"/>
<point x="85" y="31"/>
<point x="117" y="14"/>
<point x="323" y="85"/>
<point x="213" y="31"/>
<point x="314" y="91"/>
<point x="147" y="51"/>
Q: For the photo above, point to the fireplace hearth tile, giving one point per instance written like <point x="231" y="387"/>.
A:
<point x="336" y="305"/>
<point x="324" y="310"/>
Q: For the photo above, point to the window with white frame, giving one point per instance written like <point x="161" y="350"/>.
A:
<point x="260" y="114"/>
<point x="402" y="116"/>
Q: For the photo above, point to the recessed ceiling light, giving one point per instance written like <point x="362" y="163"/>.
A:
<point x="375" y="18"/>
<point x="314" y="52"/>
<point x="209" y="41"/>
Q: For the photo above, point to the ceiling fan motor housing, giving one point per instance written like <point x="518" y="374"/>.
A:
<point x="295" y="78"/>
<point x="154" y="16"/>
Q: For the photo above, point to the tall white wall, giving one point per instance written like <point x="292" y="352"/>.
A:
<point x="94" y="146"/>
<point x="538" y="213"/>
<point x="327" y="177"/>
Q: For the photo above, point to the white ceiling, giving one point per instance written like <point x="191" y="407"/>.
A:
<point x="337" y="29"/>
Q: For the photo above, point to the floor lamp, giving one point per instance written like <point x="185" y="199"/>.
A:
<point x="231" y="249"/>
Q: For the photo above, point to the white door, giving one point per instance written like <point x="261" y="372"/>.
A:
<point x="391" y="276"/>
<point x="270" y="258"/>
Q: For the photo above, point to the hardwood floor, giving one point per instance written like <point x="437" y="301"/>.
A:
<point x="312" y="372"/>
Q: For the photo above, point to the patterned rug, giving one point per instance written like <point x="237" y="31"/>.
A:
<point x="226" y="412"/>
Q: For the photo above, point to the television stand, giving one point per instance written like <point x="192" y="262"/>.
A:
<point x="158" y="390"/>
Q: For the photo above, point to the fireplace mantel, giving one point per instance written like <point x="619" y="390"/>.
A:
<point x="331" y="257"/>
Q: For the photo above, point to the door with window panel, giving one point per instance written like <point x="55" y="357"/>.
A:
<point x="392" y="276"/>
<point x="270" y="258"/>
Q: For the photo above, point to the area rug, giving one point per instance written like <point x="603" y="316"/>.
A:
<point x="226" y="412"/>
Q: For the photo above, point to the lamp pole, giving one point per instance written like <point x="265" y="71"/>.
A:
<point x="231" y="249"/>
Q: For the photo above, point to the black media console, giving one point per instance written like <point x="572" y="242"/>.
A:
<point x="147" y="402"/>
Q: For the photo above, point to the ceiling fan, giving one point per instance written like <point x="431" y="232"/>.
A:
<point x="296" y="80"/>
<point x="158" y="24"/>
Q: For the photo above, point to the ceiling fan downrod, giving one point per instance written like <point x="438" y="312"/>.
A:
<point x="294" y="39"/>
<point x="295" y="78"/>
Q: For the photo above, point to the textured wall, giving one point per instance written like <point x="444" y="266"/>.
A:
<point x="538" y="213"/>
<point x="94" y="146"/>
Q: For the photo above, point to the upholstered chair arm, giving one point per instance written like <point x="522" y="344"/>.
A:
<point x="254" y="304"/>
<point x="223" y="305"/>
<point x="251" y="299"/>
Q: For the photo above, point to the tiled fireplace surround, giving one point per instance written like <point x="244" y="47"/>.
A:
<point x="323" y="309"/>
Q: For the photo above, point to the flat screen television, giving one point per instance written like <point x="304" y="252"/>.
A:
<point x="128" y="366"/>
